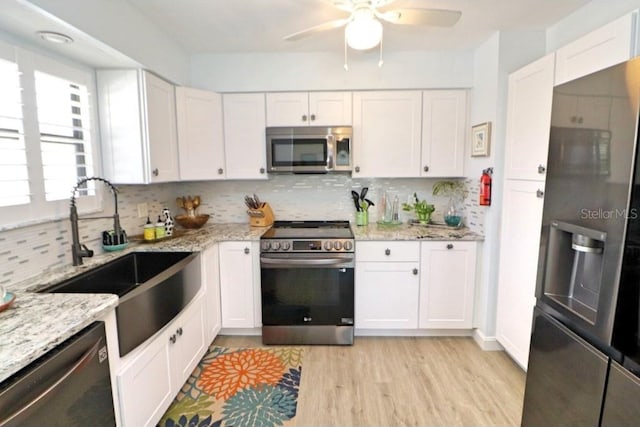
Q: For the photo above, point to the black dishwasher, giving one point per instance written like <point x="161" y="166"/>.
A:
<point x="69" y="386"/>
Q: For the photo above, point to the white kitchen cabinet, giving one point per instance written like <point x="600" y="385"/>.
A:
<point x="519" y="247"/>
<point x="529" y="119"/>
<point x="211" y="281"/>
<point x="240" y="284"/>
<point x="137" y="113"/>
<point x="386" y="291"/>
<point x="200" y="134"/>
<point x="447" y="284"/>
<point x="153" y="375"/>
<point x="608" y="45"/>
<point x="387" y="128"/>
<point x="444" y="124"/>
<point x="244" y="135"/>
<point x="309" y="109"/>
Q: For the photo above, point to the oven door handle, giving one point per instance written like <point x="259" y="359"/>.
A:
<point x="292" y="263"/>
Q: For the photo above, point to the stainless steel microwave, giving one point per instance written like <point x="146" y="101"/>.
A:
<point x="309" y="149"/>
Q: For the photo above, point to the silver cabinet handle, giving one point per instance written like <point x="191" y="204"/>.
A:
<point x="179" y="331"/>
<point x="172" y="339"/>
<point x="246" y="250"/>
<point x="155" y="172"/>
<point x="304" y="117"/>
<point x="426" y="168"/>
<point x="415" y="271"/>
<point x="357" y="169"/>
<point x="220" y="171"/>
<point x="313" y="117"/>
<point x="539" y="194"/>
<point x="541" y="169"/>
<point x="261" y="170"/>
<point x="449" y="246"/>
<point x="387" y="251"/>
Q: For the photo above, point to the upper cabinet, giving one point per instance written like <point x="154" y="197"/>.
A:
<point x="244" y="135"/>
<point x="386" y="133"/>
<point x="309" y="109"/>
<point x="529" y="119"/>
<point x="602" y="48"/>
<point x="138" y="127"/>
<point x="444" y="114"/>
<point x="200" y="137"/>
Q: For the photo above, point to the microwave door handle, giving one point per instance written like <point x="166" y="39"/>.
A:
<point x="331" y="149"/>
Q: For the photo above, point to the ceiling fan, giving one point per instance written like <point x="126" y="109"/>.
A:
<point x="363" y="27"/>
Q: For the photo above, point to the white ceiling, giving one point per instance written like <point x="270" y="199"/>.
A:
<point x="214" y="26"/>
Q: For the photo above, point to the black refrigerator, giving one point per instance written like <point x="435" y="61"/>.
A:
<point x="584" y="362"/>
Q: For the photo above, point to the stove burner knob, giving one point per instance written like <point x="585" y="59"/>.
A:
<point x="328" y="246"/>
<point x="348" y="246"/>
<point x="275" y="246"/>
<point x="266" y="246"/>
<point x="338" y="246"/>
<point x="286" y="246"/>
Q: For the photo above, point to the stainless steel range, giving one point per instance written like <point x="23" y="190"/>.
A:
<point x="307" y="280"/>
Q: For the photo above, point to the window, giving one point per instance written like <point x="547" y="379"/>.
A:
<point x="46" y="137"/>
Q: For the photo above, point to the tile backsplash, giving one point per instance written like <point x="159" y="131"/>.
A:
<point x="28" y="251"/>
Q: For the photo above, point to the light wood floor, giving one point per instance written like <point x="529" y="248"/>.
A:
<point x="405" y="382"/>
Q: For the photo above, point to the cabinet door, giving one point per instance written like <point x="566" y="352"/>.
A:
<point x="447" y="284"/>
<point x="386" y="133"/>
<point x="444" y="114"/>
<point x="161" y="129"/>
<point x="609" y="45"/>
<point x="330" y="108"/>
<point x="288" y="109"/>
<point x="145" y="385"/>
<point x="529" y="120"/>
<point x="187" y="343"/>
<point x="386" y="295"/>
<point x="244" y="137"/>
<point x="200" y="137"/>
<point x="237" y="285"/>
<point x="211" y="279"/>
<point x="519" y="247"/>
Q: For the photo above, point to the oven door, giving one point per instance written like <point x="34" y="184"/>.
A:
<point x="307" y="289"/>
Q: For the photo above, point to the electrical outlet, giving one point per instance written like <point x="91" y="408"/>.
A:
<point x="143" y="210"/>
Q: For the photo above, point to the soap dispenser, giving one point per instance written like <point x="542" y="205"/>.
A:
<point x="149" y="230"/>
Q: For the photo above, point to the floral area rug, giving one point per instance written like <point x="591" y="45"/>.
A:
<point x="256" y="387"/>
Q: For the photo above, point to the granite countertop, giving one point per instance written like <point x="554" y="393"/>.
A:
<point x="407" y="231"/>
<point x="36" y="323"/>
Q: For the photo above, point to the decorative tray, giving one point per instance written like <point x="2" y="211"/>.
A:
<point x="140" y="237"/>
<point x="6" y="302"/>
<point x="434" y="225"/>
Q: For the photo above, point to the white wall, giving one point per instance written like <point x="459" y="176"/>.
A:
<point x="586" y="19"/>
<point x="324" y="71"/>
<point x="121" y="26"/>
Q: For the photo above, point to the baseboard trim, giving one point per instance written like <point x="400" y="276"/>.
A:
<point x="413" y="332"/>
<point x="240" y="331"/>
<point x="486" y="343"/>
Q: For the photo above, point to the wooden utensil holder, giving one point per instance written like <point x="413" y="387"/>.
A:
<point x="261" y="217"/>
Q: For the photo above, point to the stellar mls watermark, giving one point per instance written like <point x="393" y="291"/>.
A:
<point x="601" y="213"/>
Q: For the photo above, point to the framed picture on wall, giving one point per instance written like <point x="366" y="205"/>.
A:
<point x="480" y="139"/>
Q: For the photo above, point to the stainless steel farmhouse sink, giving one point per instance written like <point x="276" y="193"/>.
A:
<point x="152" y="286"/>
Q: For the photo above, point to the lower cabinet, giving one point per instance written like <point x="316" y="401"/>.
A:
<point x="151" y="379"/>
<point x="415" y="285"/>
<point x="240" y="284"/>
<point x="447" y="284"/>
<point x="211" y="281"/>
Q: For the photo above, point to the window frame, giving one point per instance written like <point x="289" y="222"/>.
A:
<point x="39" y="210"/>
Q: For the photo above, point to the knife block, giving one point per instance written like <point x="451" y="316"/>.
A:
<point x="261" y="217"/>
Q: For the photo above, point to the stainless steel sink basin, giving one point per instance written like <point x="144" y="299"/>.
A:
<point x="152" y="286"/>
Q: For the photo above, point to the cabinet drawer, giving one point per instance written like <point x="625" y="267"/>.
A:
<point x="388" y="251"/>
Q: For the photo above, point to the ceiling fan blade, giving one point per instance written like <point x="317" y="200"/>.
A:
<point x="316" y="29"/>
<point x="350" y="5"/>
<point x="435" y="17"/>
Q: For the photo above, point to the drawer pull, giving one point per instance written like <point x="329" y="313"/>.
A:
<point x="246" y="251"/>
<point x="172" y="339"/>
<point x="415" y="271"/>
<point x="449" y="246"/>
<point x="387" y="251"/>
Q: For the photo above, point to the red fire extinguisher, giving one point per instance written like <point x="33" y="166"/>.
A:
<point x="485" y="187"/>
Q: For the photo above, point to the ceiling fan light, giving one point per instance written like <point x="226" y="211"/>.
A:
<point x="363" y="34"/>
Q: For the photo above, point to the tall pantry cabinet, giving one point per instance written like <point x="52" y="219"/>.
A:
<point x="527" y="136"/>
